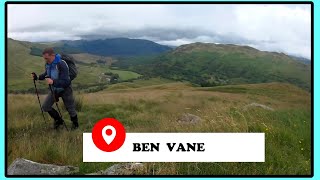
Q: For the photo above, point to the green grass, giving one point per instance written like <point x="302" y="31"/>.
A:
<point x="154" y="105"/>
<point x="125" y="75"/>
<point x="140" y="83"/>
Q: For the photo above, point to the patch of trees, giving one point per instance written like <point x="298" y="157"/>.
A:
<point x="114" y="78"/>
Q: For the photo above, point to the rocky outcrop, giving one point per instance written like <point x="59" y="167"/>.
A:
<point x="26" y="167"/>
<point x="188" y="118"/>
<point x="22" y="166"/>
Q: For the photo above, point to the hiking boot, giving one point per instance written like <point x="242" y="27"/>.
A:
<point x="75" y="123"/>
<point x="57" y="119"/>
<point x="57" y="123"/>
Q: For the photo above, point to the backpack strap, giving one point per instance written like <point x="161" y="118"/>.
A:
<point x="58" y="65"/>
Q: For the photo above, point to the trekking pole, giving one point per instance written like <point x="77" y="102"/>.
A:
<point x="54" y="98"/>
<point x="36" y="89"/>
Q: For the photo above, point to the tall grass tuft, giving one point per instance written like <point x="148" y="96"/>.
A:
<point x="79" y="103"/>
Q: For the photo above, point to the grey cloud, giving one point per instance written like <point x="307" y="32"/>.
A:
<point x="267" y="27"/>
<point x="169" y="34"/>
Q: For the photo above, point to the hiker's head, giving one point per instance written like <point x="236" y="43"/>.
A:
<point x="49" y="55"/>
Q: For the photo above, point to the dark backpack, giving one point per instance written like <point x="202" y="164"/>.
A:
<point x="73" y="71"/>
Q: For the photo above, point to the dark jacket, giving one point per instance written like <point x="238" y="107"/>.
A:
<point x="58" y="71"/>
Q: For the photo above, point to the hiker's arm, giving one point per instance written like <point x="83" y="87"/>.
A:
<point x="42" y="76"/>
<point x="64" y="80"/>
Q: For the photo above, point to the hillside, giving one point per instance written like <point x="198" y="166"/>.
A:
<point x="20" y="64"/>
<point x="220" y="64"/>
<point x="202" y="64"/>
<point x="155" y="105"/>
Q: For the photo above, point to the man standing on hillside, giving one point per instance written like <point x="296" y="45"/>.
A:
<point x="57" y="76"/>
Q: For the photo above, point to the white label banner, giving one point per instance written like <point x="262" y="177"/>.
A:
<point x="203" y="147"/>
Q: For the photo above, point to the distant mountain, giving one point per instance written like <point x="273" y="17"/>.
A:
<point x="108" y="47"/>
<point x="302" y="59"/>
<point x="117" y="47"/>
<point x="218" y="64"/>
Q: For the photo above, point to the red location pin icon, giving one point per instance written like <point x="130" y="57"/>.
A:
<point x="108" y="134"/>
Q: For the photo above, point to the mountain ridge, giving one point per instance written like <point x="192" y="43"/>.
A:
<point x="211" y="64"/>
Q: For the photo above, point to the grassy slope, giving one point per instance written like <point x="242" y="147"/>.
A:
<point x="21" y="64"/>
<point x="155" y="105"/>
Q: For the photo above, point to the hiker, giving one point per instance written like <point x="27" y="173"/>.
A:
<point x="57" y="76"/>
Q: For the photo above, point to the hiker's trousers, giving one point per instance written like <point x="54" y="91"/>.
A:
<point x="68" y="100"/>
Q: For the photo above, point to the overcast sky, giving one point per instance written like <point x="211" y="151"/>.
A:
<point x="281" y="28"/>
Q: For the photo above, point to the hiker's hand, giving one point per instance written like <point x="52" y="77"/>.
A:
<point x="34" y="76"/>
<point x="49" y="81"/>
